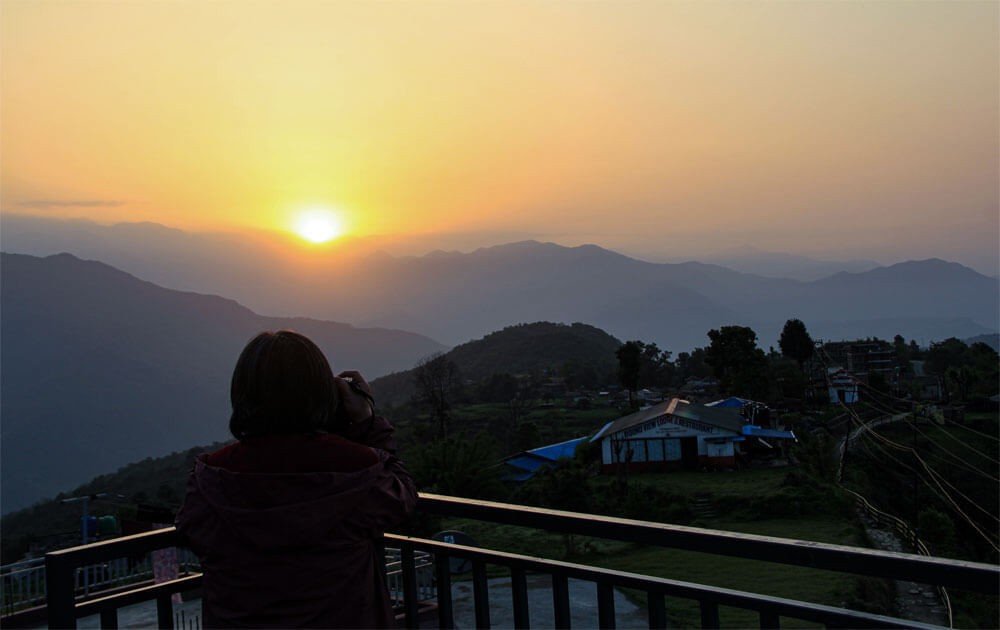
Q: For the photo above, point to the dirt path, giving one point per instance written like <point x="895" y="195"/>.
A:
<point x="917" y="602"/>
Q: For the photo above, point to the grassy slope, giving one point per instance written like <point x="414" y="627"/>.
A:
<point x="824" y="587"/>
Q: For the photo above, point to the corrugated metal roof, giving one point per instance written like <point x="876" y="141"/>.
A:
<point x="544" y="455"/>
<point x="556" y="452"/>
<point x="727" y="418"/>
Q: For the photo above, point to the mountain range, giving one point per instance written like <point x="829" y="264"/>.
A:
<point x="100" y="368"/>
<point x="453" y="296"/>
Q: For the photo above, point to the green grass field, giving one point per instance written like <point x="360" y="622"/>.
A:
<point x="823" y="587"/>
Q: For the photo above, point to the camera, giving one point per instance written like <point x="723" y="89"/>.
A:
<point x="339" y="421"/>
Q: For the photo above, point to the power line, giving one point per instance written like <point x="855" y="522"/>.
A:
<point x="942" y="494"/>
<point x="936" y="477"/>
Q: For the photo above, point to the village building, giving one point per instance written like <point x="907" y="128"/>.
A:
<point x="842" y="386"/>
<point x="670" y="435"/>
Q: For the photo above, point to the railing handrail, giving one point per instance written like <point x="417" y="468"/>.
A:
<point x="63" y="606"/>
<point x="961" y="574"/>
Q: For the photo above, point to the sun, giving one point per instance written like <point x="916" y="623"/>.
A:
<point x="319" y="225"/>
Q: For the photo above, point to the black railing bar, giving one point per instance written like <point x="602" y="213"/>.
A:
<point x="656" y="609"/>
<point x="960" y="574"/>
<point x="709" y="615"/>
<point x="519" y="598"/>
<point x="606" y="605"/>
<point x="144" y="542"/>
<point x="138" y="595"/>
<point x="164" y="611"/>
<point x="409" y="586"/>
<point x="480" y="594"/>
<point x="560" y="600"/>
<point x="685" y="590"/>
<point x="442" y="572"/>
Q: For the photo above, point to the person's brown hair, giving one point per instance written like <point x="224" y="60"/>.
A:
<point x="282" y="384"/>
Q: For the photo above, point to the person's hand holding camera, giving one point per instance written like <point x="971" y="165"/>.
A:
<point x="356" y="403"/>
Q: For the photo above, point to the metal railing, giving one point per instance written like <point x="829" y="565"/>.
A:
<point x="22" y="584"/>
<point x="64" y="608"/>
<point x="395" y="576"/>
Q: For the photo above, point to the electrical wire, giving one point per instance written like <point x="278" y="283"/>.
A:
<point x="941" y="493"/>
<point x="938" y="480"/>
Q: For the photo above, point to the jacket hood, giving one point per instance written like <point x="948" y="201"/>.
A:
<point x="271" y="510"/>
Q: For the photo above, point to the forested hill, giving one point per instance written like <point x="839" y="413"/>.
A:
<point x="536" y="348"/>
<point x="154" y="482"/>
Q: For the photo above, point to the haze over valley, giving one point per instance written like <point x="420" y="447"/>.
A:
<point x="454" y="296"/>
<point x="101" y="367"/>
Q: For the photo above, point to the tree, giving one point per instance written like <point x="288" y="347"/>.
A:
<point x="655" y="368"/>
<point x="437" y="382"/>
<point x="691" y="364"/>
<point x="795" y="341"/>
<point x="462" y="467"/>
<point x="643" y="365"/>
<point x="629" y="363"/>
<point x="737" y="362"/>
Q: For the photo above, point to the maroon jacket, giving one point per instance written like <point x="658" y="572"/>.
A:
<point x="286" y="526"/>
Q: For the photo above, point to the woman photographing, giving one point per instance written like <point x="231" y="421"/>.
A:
<point x="287" y="519"/>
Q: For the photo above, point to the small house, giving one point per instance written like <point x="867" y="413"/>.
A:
<point x="673" y="434"/>
<point x="842" y="386"/>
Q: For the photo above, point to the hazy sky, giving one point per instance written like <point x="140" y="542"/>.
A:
<point x="662" y="128"/>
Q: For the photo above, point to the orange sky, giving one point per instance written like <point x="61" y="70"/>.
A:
<point x="852" y="128"/>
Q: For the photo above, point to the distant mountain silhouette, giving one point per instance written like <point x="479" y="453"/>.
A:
<point x="791" y="266"/>
<point x="100" y="368"/>
<point x="992" y="340"/>
<point x="526" y="348"/>
<point x="453" y="297"/>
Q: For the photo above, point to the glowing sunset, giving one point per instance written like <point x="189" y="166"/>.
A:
<point x="804" y="127"/>
<point x="319" y="225"/>
<point x="317" y="281"/>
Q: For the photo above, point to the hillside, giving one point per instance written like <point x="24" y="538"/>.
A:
<point x="535" y="348"/>
<point x="992" y="341"/>
<point x="156" y="482"/>
<point x="100" y="368"/>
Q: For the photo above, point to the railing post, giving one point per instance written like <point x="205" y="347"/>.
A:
<point x="165" y="611"/>
<point x="481" y="593"/>
<point x="769" y="620"/>
<point x="109" y="619"/>
<point x="59" y="583"/>
<point x="709" y="615"/>
<point x="442" y="569"/>
<point x="657" y="610"/>
<point x="605" y="605"/>
<point x="560" y="600"/>
<point x="519" y="594"/>
<point x="409" y="568"/>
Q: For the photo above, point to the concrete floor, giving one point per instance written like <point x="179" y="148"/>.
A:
<point x="583" y="607"/>
<point x="582" y="602"/>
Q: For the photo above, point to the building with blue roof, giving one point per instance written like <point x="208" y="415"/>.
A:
<point x="526" y="464"/>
